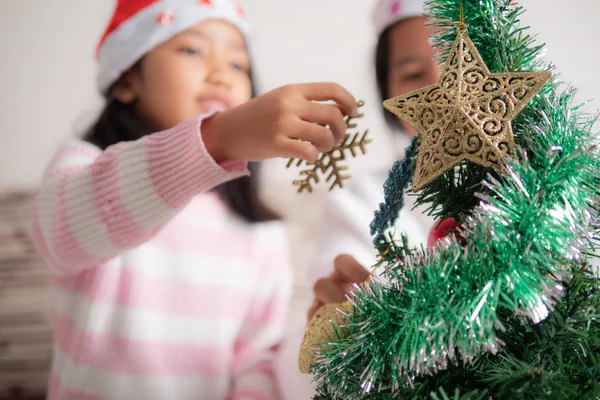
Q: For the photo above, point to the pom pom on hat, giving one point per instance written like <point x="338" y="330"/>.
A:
<point x="388" y="12"/>
<point x="138" y="26"/>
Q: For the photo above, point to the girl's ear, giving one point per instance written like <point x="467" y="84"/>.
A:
<point x="126" y="90"/>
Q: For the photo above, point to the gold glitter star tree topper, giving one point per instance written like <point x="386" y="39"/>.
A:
<point x="466" y="115"/>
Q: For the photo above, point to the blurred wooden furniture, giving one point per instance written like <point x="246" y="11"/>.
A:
<point x="25" y="332"/>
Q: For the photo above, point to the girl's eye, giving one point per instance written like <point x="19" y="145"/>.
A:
<point x="237" y="66"/>
<point x="191" y="52"/>
<point x="414" y="76"/>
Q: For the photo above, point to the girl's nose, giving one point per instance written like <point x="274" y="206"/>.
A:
<point x="217" y="73"/>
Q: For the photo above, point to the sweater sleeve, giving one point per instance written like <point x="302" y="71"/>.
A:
<point x="263" y="328"/>
<point x="94" y="205"/>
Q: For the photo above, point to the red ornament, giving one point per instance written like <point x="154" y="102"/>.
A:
<point x="206" y="2"/>
<point x="447" y="227"/>
<point x="165" y="17"/>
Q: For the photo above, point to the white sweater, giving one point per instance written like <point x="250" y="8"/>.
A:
<point x="345" y="229"/>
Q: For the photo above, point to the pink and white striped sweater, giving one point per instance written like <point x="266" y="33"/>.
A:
<point x="158" y="291"/>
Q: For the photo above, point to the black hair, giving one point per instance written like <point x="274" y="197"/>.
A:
<point x="118" y="122"/>
<point x="382" y="58"/>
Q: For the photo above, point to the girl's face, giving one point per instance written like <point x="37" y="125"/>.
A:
<point x="202" y="69"/>
<point x="411" y="62"/>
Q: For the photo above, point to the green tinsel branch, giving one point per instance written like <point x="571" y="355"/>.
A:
<point x="438" y="319"/>
<point x="556" y="359"/>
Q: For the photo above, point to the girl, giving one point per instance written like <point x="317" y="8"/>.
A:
<point x="163" y="288"/>
<point x="404" y="61"/>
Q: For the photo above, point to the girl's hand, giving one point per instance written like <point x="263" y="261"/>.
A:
<point x="334" y="288"/>
<point x="285" y="122"/>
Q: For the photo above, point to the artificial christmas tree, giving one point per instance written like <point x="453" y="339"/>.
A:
<point x="508" y="307"/>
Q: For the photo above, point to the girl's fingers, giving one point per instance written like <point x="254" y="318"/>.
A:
<point x="319" y="136"/>
<point x="326" y="114"/>
<point x="346" y="270"/>
<point x="326" y="291"/>
<point x="296" y="148"/>
<point x="330" y="91"/>
<point x="338" y="285"/>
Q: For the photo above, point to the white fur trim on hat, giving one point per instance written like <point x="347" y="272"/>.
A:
<point x="144" y="31"/>
<point x="388" y="12"/>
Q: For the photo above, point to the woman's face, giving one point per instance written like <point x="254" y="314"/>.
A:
<point x="411" y="62"/>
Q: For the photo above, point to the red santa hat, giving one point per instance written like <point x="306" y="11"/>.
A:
<point x="137" y="26"/>
<point x="388" y="12"/>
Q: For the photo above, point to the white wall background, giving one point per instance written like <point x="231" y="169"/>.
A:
<point x="47" y="76"/>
